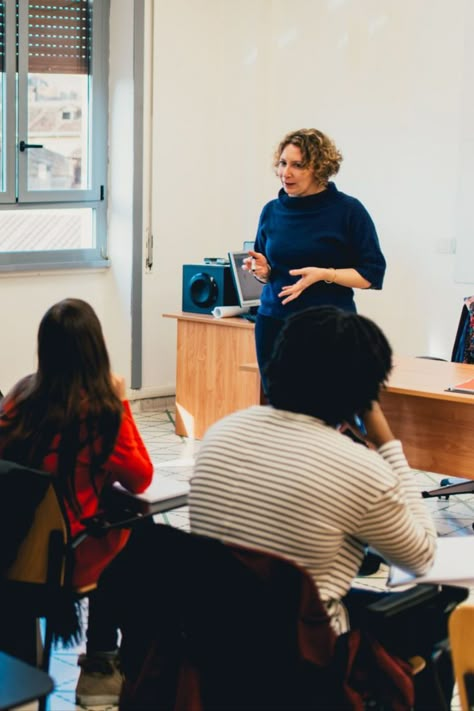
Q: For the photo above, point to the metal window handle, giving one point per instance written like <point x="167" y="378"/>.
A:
<point x="24" y="146"/>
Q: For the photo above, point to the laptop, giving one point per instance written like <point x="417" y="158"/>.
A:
<point x="247" y="287"/>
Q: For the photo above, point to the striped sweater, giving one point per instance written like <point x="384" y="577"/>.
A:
<point x="288" y="484"/>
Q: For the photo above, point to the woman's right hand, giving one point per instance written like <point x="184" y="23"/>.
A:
<point x="118" y="384"/>
<point x="257" y="263"/>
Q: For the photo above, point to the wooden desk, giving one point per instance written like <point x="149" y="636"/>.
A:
<point x="436" y="427"/>
<point x="209" y="382"/>
<point x="216" y="374"/>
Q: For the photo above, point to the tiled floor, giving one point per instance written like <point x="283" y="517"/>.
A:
<point x="173" y="457"/>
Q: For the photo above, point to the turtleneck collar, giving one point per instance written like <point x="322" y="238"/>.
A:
<point x="309" y="202"/>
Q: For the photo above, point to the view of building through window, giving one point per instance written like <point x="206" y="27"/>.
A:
<point x="2" y="136"/>
<point x="53" y="132"/>
<point x="58" y="121"/>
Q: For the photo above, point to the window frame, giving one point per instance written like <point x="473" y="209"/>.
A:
<point x="16" y="196"/>
<point x="9" y="143"/>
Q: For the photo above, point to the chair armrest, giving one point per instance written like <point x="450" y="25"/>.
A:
<point x="99" y="525"/>
<point x="446" y="597"/>
<point x="396" y="619"/>
<point x="123" y="509"/>
<point x="396" y="603"/>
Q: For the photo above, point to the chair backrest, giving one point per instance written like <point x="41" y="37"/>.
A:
<point x="461" y="638"/>
<point x="41" y="557"/>
<point x="463" y="347"/>
<point x="36" y="556"/>
<point x="213" y="626"/>
<point x="29" y="511"/>
<point x="34" y="527"/>
<point x="219" y="626"/>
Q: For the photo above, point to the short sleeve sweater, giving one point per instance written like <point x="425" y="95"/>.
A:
<point x="328" y="229"/>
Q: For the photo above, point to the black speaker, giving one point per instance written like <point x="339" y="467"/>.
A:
<point x="206" y="286"/>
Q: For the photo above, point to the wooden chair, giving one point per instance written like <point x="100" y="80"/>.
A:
<point x="461" y="637"/>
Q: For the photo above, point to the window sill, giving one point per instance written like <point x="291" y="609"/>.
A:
<point x="12" y="270"/>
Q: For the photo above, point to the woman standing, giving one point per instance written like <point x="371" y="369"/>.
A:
<point x="314" y="244"/>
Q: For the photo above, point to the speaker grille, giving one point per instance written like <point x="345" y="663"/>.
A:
<point x="203" y="290"/>
<point x="206" y="286"/>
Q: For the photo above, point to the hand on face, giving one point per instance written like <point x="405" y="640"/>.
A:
<point x="378" y="430"/>
<point x="309" y="275"/>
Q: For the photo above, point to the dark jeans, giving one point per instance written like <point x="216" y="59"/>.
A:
<point x="102" y="626"/>
<point x="267" y="330"/>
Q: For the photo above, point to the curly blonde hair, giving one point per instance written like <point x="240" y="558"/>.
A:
<point x="319" y="152"/>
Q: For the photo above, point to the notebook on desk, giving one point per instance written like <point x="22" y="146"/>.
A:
<point x="466" y="387"/>
<point x="453" y="565"/>
<point x="162" y="495"/>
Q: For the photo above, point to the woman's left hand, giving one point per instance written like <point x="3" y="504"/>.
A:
<point x="309" y="275"/>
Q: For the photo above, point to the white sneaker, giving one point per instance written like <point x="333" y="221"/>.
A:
<point x="100" y="680"/>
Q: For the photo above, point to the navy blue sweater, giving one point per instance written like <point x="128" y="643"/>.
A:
<point x="329" y="229"/>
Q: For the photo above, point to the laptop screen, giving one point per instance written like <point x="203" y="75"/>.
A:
<point x="247" y="287"/>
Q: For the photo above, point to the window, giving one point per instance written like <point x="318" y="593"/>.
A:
<point x="53" y="133"/>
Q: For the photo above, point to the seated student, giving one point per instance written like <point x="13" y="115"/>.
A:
<point x="282" y="477"/>
<point x="71" y="418"/>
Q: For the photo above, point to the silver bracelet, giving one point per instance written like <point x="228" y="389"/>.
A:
<point x="334" y="274"/>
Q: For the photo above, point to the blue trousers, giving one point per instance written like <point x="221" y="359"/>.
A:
<point x="267" y="330"/>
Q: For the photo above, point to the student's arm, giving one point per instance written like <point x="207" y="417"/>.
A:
<point x="130" y="461"/>
<point x="399" y="525"/>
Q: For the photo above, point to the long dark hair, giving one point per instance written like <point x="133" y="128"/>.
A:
<point x="71" y="394"/>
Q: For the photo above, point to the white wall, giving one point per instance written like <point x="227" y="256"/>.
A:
<point x="387" y="79"/>
<point x="384" y="78"/>
<point x="25" y="297"/>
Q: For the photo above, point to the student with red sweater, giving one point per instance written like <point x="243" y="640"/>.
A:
<point x="71" y="418"/>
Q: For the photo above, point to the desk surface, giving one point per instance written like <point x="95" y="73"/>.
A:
<point x="21" y="683"/>
<point x="209" y="319"/>
<point x="436" y="427"/>
<point x="422" y="377"/>
<point x="162" y="495"/>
